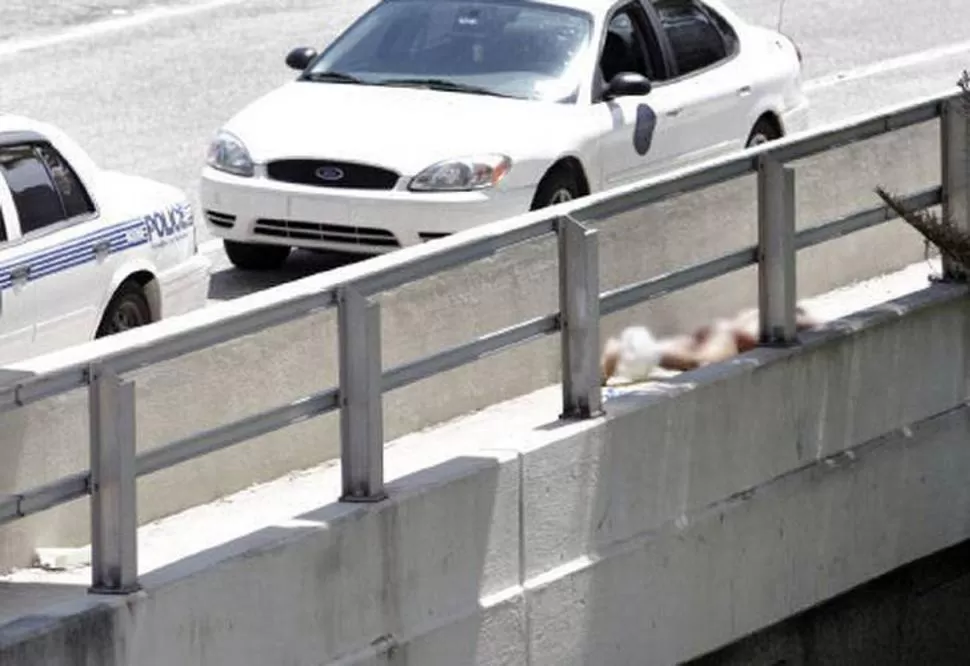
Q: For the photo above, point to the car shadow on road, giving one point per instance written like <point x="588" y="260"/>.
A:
<point x="230" y="282"/>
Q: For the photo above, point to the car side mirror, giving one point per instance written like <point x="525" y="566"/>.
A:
<point x="300" y="57"/>
<point x="627" y="84"/>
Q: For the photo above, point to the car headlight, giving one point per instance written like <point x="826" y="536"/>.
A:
<point x="477" y="172"/>
<point x="228" y="153"/>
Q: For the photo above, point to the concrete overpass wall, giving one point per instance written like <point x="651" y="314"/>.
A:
<point x="697" y="511"/>
<point x="230" y="381"/>
<point x="912" y="616"/>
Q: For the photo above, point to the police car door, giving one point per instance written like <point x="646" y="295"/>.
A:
<point x="62" y="245"/>
<point x="641" y="135"/>
<point x="16" y="305"/>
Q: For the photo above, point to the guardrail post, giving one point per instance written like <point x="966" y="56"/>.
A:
<point x="361" y="398"/>
<point x="776" y="251"/>
<point x="579" y="308"/>
<point x="114" y="515"/>
<point x="955" y="167"/>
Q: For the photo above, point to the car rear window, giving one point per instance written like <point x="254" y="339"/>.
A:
<point x="34" y="195"/>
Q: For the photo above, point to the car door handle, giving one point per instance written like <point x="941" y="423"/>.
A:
<point x="20" y="273"/>
<point x="674" y="112"/>
<point x="744" y="91"/>
<point x="101" y="249"/>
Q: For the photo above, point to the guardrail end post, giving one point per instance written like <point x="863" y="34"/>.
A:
<point x="777" y="292"/>
<point x="955" y="171"/>
<point x="114" y="513"/>
<point x="361" y="398"/>
<point x="579" y="312"/>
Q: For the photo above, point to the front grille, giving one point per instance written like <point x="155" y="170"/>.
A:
<point x="330" y="233"/>
<point x="224" y="220"/>
<point x="323" y="173"/>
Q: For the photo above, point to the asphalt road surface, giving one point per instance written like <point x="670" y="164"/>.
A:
<point x="143" y="85"/>
<point x="25" y="17"/>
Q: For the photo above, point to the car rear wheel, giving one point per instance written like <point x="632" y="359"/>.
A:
<point x="127" y="309"/>
<point x="558" y="186"/>
<point x="256" y="257"/>
<point x="763" y="131"/>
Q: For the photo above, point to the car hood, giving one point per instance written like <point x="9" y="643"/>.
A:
<point x="405" y="129"/>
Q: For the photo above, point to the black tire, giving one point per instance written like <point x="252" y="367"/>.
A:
<point x="256" y="257"/>
<point x="557" y="186"/>
<point x="763" y="131"/>
<point x="127" y="309"/>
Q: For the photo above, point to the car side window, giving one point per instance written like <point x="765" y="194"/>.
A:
<point x="44" y="188"/>
<point x="75" y="198"/>
<point x="695" y="39"/>
<point x="626" y="47"/>
<point x="34" y="195"/>
<point x="730" y="37"/>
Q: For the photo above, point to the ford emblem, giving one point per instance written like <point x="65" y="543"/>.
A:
<point x="329" y="173"/>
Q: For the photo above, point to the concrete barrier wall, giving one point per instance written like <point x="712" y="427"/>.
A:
<point x="912" y="616"/>
<point x="236" y="379"/>
<point x="697" y="511"/>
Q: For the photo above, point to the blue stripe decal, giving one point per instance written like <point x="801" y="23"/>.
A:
<point x="75" y="249"/>
<point x="69" y="252"/>
<point x="158" y="229"/>
<point x="73" y="245"/>
<point x="71" y="262"/>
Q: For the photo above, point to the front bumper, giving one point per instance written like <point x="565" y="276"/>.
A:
<point x="260" y="210"/>
<point x="185" y="287"/>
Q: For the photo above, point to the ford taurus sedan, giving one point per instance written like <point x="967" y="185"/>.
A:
<point x="427" y="117"/>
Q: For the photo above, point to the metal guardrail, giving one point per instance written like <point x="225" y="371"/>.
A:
<point x="111" y="480"/>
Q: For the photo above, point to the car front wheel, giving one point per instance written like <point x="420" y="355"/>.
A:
<point x="763" y="132"/>
<point x="558" y="186"/>
<point x="127" y="309"/>
<point x="254" y="256"/>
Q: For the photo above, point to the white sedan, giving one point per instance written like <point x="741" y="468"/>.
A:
<point x="85" y="252"/>
<point x="424" y="118"/>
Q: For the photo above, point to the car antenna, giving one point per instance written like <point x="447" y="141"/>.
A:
<point x="781" y="13"/>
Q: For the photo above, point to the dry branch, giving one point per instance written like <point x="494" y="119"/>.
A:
<point x="953" y="243"/>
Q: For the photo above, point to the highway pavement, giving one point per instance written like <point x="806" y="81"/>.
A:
<point x="144" y="85"/>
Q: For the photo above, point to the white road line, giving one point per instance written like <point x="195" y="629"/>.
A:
<point x="110" y="25"/>
<point x="116" y="24"/>
<point x="890" y="65"/>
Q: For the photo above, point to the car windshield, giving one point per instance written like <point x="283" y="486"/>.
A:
<point x="513" y="49"/>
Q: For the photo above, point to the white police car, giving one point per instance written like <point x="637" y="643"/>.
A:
<point x="85" y="252"/>
<point x="427" y="117"/>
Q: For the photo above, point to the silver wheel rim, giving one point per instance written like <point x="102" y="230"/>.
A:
<point x="758" y="139"/>
<point x="126" y="317"/>
<point x="561" y="195"/>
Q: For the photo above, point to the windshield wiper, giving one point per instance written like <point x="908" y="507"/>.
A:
<point x="441" y="84"/>
<point x="338" y="77"/>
